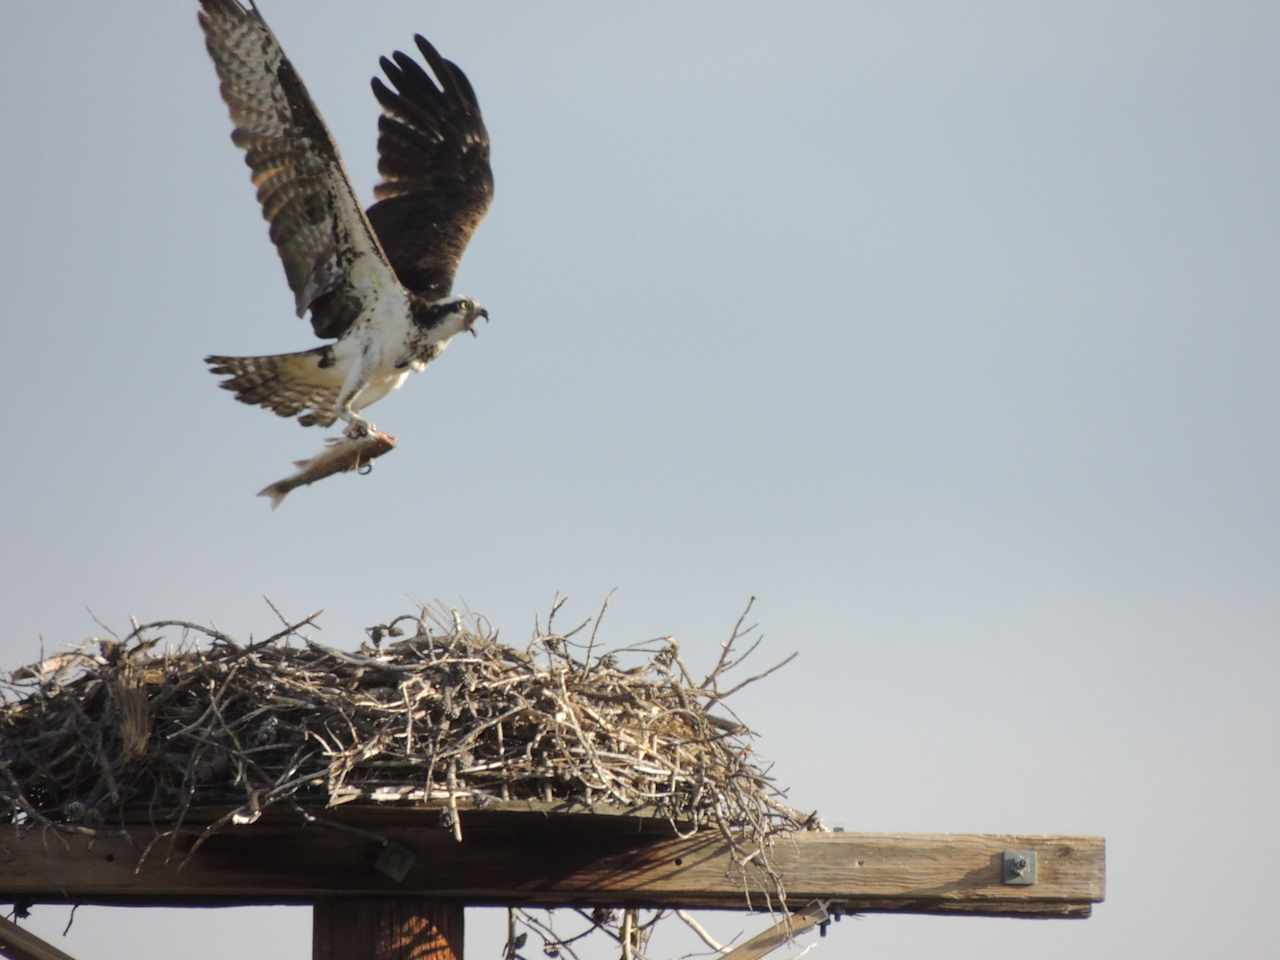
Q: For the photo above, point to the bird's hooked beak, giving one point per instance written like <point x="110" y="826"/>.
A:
<point x="480" y="312"/>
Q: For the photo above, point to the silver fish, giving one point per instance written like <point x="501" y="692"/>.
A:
<point x="341" y="454"/>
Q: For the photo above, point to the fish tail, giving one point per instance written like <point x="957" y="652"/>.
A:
<point x="277" y="492"/>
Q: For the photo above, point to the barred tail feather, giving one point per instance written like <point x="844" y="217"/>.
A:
<point x="305" y="385"/>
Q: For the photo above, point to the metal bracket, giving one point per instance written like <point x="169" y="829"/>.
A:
<point x="1018" y="867"/>
<point x="395" y="860"/>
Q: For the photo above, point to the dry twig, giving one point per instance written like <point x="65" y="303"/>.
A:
<point x="177" y="715"/>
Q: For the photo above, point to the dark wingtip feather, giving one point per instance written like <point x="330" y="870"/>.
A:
<point x="425" y="46"/>
<point x="433" y="155"/>
<point x="230" y="8"/>
<point x="403" y="60"/>
<point x="411" y="72"/>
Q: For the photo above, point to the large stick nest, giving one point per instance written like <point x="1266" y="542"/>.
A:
<point x="431" y="709"/>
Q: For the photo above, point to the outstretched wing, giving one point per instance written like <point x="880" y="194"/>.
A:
<point x="316" y="222"/>
<point x="433" y="154"/>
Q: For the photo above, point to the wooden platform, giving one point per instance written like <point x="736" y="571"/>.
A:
<point x="532" y="858"/>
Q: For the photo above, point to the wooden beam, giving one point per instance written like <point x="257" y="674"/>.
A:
<point x="780" y="934"/>
<point x="386" y="928"/>
<point x="538" y="860"/>
<point x="19" y="944"/>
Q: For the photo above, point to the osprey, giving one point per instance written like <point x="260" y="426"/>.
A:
<point x="378" y="283"/>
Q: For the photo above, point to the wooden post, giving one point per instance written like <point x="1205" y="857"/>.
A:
<point x="386" y="928"/>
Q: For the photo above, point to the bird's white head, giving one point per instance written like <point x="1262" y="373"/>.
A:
<point x="444" y="318"/>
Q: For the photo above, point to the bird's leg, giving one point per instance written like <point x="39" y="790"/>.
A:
<point x="357" y="426"/>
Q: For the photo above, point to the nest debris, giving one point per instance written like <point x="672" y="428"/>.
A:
<point x="432" y="709"/>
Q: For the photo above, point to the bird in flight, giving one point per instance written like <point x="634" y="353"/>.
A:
<point x="378" y="283"/>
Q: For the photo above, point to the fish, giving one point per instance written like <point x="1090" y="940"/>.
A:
<point x="340" y="455"/>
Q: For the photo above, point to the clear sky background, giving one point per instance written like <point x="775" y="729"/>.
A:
<point x="947" y="330"/>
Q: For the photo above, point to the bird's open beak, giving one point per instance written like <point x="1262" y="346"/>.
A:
<point x="482" y="312"/>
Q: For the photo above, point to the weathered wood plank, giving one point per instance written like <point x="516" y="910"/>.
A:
<point x="780" y="934"/>
<point x="19" y="944"/>
<point x="555" y="860"/>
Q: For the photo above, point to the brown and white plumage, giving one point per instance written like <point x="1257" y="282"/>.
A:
<point x="379" y="284"/>
<point x="433" y="155"/>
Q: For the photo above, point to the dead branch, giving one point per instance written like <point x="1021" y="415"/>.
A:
<point x="177" y="716"/>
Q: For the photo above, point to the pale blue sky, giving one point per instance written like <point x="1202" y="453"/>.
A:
<point x="947" y="330"/>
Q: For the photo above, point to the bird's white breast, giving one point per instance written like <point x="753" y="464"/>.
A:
<point x="379" y="343"/>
